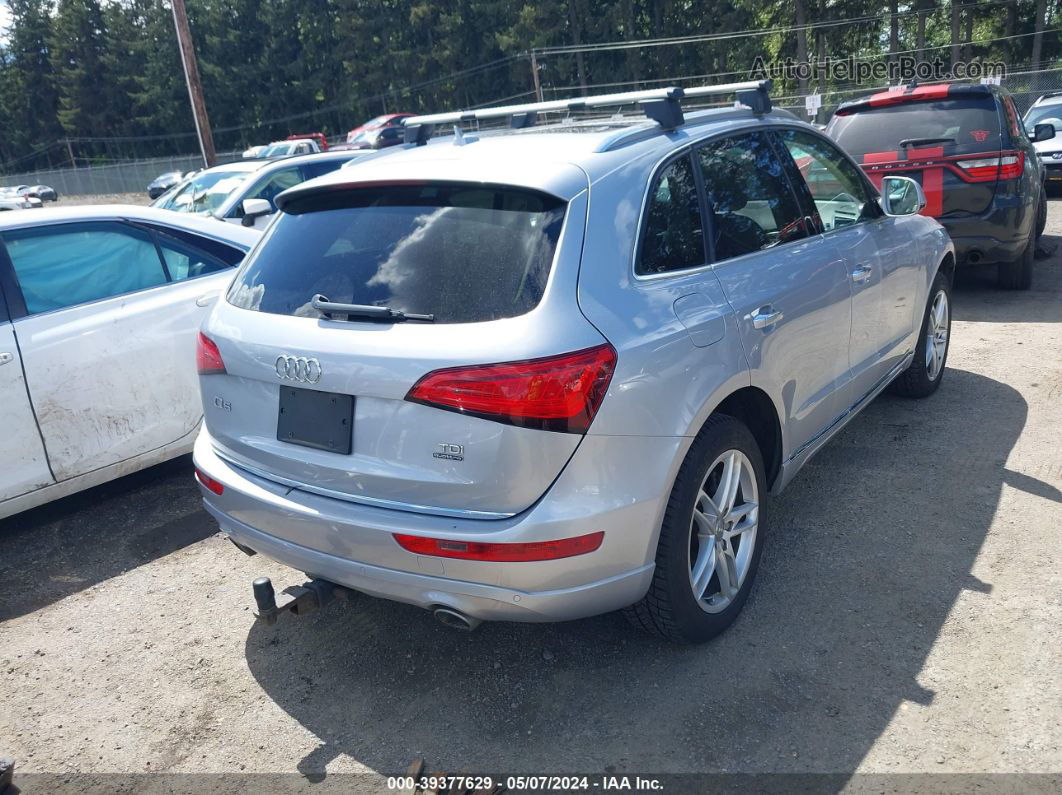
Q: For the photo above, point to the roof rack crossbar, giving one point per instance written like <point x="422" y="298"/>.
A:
<point x="662" y="105"/>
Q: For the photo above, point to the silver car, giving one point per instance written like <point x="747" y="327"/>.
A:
<point x="548" y="372"/>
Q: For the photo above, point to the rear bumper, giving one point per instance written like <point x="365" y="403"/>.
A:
<point x="998" y="235"/>
<point x="353" y="545"/>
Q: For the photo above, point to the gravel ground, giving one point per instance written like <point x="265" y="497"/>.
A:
<point x="907" y="618"/>
<point x="105" y="198"/>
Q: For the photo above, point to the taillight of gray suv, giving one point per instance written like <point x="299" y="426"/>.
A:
<point x="548" y="372"/>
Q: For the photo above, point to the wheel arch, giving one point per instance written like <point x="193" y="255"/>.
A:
<point x="754" y="407"/>
<point x="947" y="266"/>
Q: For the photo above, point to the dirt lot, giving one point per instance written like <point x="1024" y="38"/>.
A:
<point x="907" y="618"/>
<point x="107" y="198"/>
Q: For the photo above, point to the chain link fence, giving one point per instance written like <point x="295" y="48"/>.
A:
<point x="109" y="178"/>
<point x="134" y="174"/>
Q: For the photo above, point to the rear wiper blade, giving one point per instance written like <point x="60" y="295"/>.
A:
<point x="906" y="142"/>
<point x="379" y="314"/>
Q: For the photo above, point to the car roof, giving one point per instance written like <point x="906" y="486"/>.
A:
<point x="235" y="234"/>
<point x="560" y="159"/>
<point x="1048" y="99"/>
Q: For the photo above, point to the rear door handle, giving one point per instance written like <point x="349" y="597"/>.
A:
<point x="861" y="273"/>
<point x="6" y="357"/>
<point x="765" y="316"/>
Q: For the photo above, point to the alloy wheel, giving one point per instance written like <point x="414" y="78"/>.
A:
<point x="723" y="531"/>
<point x="937" y="335"/>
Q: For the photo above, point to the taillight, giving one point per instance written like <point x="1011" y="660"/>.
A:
<point x="501" y="553"/>
<point x="1009" y="165"/>
<point x="207" y="356"/>
<point x="208" y="482"/>
<point x="557" y="393"/>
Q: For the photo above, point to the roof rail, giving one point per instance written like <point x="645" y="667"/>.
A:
<point x="662" y="105"/>
<point x="1048" y="95"/>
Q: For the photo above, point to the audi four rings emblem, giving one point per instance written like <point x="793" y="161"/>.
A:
<point x="299" y="368"/>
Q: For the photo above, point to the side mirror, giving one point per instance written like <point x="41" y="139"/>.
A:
<point x="253" y="209"/>
<point x="1043" y="132"/>
<point x="901" y="196"/>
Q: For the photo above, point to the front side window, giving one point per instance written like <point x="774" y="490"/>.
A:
<point x="674" y="238"/>
<point x="187" y="262"/>
<point x="61" y="266"/>
<point x="752" y="205"/>
<point x="839" y="192"/>
<point x="463" y="253"/>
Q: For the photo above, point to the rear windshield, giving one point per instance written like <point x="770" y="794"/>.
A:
<point x="462" y="253"/>
<point x="968" y="123"/>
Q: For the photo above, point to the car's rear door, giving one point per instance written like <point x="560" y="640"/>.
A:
<point x="25" y="466"/>
<point x="106" y="326"/>
<point x="788" y="286"/>
<point x="947" y="138"/>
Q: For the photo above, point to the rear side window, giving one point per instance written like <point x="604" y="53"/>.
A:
<point x="962" y="125"/>
<point x="462" y="253"/>
<point x="674" y="238"/>
<point x="63" y="265"/>
<point x="752" y="205"/>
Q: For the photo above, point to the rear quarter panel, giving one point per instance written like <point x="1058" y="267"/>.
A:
<point x="664" y="385"/>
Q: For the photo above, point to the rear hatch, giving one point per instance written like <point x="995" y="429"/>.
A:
<point x="355" y="407"/>
<point x="947" y="138"/>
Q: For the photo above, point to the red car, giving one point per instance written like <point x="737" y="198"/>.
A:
<point x="319" y="137"/>
<point x="387" y="120"/>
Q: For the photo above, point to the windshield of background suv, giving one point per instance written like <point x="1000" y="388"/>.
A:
<point x="204" y="192"/>
<point x="462" y="253"/>
<point x="1047" y="114"/>
<point x="972" y="123"/>
<point x="277" y="150"/>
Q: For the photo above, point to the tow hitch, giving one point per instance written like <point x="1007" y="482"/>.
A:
<point x="303" y="599"/>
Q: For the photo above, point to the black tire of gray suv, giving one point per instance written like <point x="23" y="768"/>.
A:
<point x="1017" y="274"/>
<point x="915" y="381"/>
<point x="669" y="609"/>
<point x="1041" y="213"/>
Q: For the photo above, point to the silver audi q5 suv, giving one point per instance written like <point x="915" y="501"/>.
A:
<point x="554" y="370"/>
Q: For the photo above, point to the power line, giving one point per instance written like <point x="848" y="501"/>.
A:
<point x="705" y="37"/>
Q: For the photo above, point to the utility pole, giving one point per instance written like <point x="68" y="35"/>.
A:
<point x="534" y="76"/>
<point x="195" y="86"/>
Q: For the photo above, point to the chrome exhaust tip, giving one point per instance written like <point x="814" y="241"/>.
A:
<point x="455" y="619"/>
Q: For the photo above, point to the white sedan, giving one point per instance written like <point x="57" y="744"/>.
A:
<point x="99" y="311"/>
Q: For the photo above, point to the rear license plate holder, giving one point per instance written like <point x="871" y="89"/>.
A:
<point x="321" y="420"/>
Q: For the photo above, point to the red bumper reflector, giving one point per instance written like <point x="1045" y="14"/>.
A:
<point x="501" y="553"/>
<point x="209" y="482"/>
<point x="207" y="356"/>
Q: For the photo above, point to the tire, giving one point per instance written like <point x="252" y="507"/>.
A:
<point x="1017" y="275"/>
<point x="922" y="378"/>
<point x="1041" y="213"/>
<point x="670" y="609"/>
